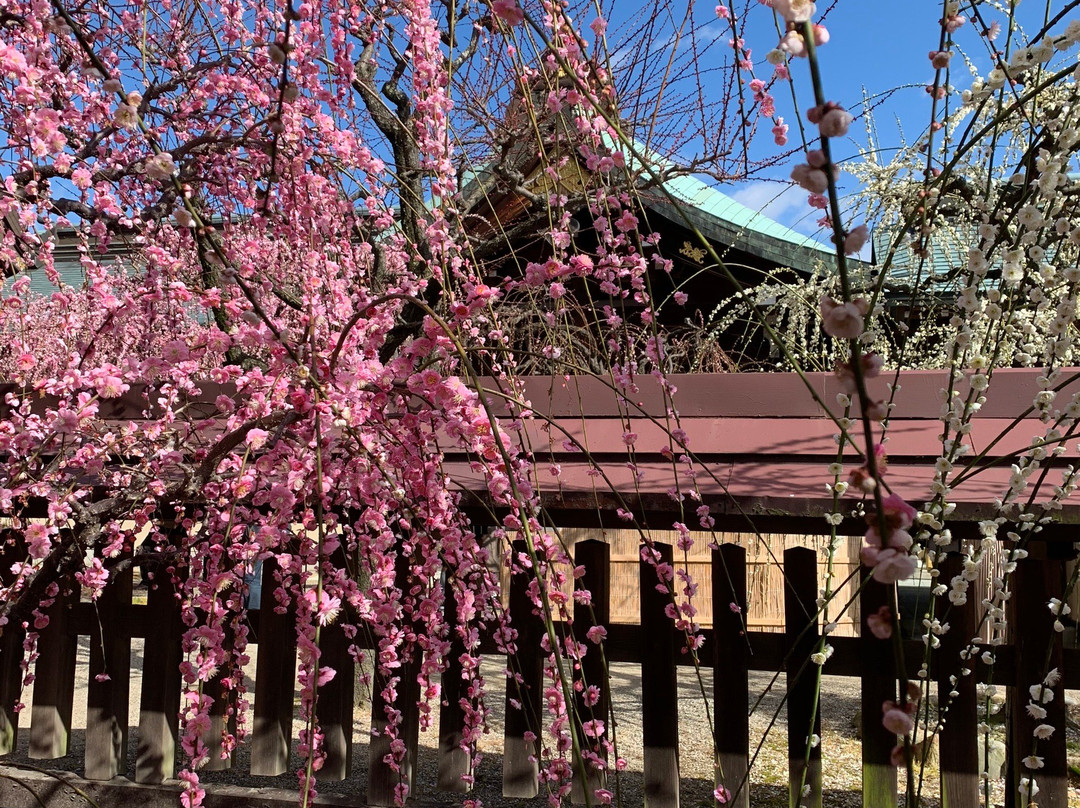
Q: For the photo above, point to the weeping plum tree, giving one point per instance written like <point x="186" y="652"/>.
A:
<point x="283" y="185"/>
<point x="293" y="203"/>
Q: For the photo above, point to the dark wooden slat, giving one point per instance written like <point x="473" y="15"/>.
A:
<point x="383" y="780"/>
<point x="222" y="713"/>
<point x="275" y="681"/>
<point x="523" y="699"/>
<point x="659" y="688"/>
<point x="222" y="720"/>
<point x="11" y="677"/>
<point x="54" y="685"/>
<point x="334" y="709"/>
<point x="877" y="685"/>
<point x="107" y="700"/>
<point x="731" y="703"/>
<point x="12" y="549"/>
<point x="159" y="702"/>
<point x="595" y="557"/>
<point x="800" y="609"/>
<point x="455" y="762"/>
<point x="1038" y="648"/>
<point x="958" y="753"/>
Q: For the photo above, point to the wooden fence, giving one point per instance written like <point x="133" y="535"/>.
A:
<point x="729" y="649"/>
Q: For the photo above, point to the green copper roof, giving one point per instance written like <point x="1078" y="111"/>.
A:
<point x="721" y="218"/>
<point x="717" y="216"/>
<point x="942" y="269"/>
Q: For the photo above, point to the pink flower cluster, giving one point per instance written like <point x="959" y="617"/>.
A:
<point x="832" y="119"/>
<point x="843" y="320"/>
<point x="888" y="554"/>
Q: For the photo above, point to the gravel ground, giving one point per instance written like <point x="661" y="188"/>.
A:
<point x="840" y="746"/>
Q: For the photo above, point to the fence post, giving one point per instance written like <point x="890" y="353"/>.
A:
<point x="958" y="752"/>
<point x="523" y="699"/>
<point x="595" y="556"/>
<point x="659" y="687"/>
<point x="275" y="680"/>
<point x="455" y="762"/>
<point x="12" y="550"/>
<point x="54" y="683"/>
<point x="1037" y="649"/>
<point x="107" y="697"/>
<point x="804" y="717"/>
<point x="878" y="685"/>
<point x="334" y="709"/>
<point x="222" y="718"/>
<point x="731" y="703"/>
<point x="382" y="779"/>
<point x="159" y="702"/>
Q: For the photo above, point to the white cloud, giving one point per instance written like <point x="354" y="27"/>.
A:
<point x="782" y="203"/>
<point x="787" y="204"/>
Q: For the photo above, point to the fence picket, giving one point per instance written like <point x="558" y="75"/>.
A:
<point x="659" y="688"/>
<point x="110" y="679"/>
<point x="957" y="743"/>
<point x="54" y="683"/>
<point x="159" y="702"/>
<point x="731" y="702"/>
<point x="222" y="717"/>
<point x="523" y="699"/>
<point x="877" y="685"/>
<point x="804" y="717"/>
<point x="275" y="681"/>
<point x="13" y="549"/>
<point x="595" y="557"/>
<point x="455" y="762"/>
<point x="334" y="709"/>
<point x="1038" y="649"/>
<point x="383" y="780"/>
<point x="11" y="676"/>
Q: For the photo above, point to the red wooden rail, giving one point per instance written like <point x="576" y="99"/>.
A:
<point x="728" y="649"/>
<point x="761" y="440"/>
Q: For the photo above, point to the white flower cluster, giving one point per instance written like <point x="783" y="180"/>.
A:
<point x="822" y="656"/>
<point x="1059" y="609"/>
<point x="934" y="629"/>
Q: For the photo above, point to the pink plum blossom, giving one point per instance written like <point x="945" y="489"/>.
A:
<point x="954" y="22"/>
<point x="835" y="122"/>
<point x="793" y="44"/>
<point x="896" y="719"/>
<point x="898" y="513"/>
<point x="880" y="623"/>
<point x="889" y="565"/>
<point x="37" y="540"/>
<point x="843" y="320"/>
<point x="940" y="59"/>
<point x="509" y="11"/>
<point x="812" y="179"/>
<point x="94" y="578"/>
<point x="856" y="239"/>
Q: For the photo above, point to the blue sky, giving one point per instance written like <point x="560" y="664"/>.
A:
<point x="873" y="49"/>
<point x="876" y="46"/>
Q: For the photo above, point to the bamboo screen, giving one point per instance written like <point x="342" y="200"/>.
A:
<point x="765" y="579"/>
